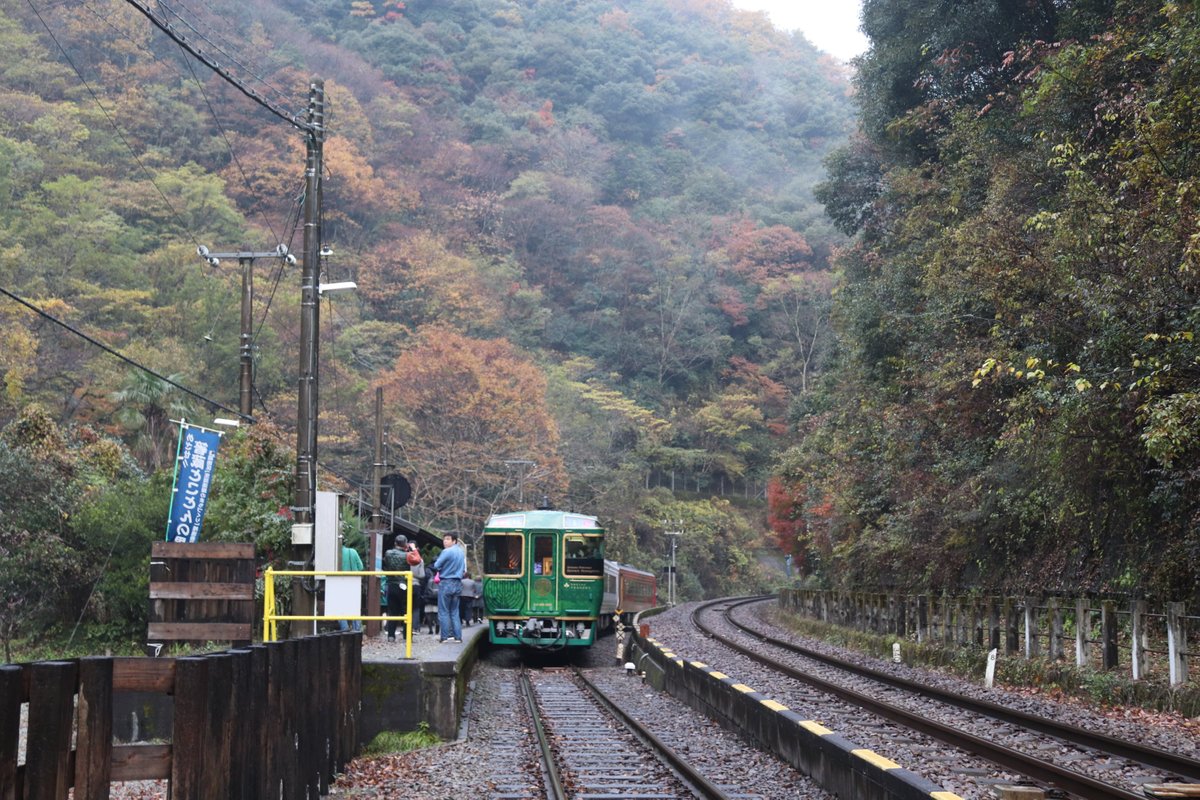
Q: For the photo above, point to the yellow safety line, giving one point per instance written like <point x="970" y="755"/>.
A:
<point x="871" y="757"/>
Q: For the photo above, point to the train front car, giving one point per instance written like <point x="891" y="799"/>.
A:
<point x="543" y="578"/>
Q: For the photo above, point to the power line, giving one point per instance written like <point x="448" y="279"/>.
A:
<point x="112" y="122"/>
<point x="218" y="47"/>
<point x="200" y="86"/>
<point x="166" y="27"/>
<point x="113" y="352"/>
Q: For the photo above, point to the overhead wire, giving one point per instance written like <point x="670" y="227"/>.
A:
<point x="112" y="352"/>
<point x="167" y="28"/>
<point x="206" y="38"/>
<point x="200" y="85"/>
<point x="120" y="135"/>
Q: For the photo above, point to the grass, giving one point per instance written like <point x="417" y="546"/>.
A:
<point x="389" y="742"/>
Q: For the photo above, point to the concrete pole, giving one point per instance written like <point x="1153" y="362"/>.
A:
<point x="306" y="416"/>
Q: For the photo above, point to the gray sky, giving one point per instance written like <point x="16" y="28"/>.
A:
<point x="832" y="25"/>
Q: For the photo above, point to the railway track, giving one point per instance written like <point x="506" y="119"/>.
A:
<point x="591" y="749"/>
<point x="907" y="703"/>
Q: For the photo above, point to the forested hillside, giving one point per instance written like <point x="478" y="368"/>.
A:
<point x="589" y="257"/>
<point x="1014" y="403"/>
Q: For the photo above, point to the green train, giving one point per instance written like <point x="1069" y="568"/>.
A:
<point x="546" y="582"/>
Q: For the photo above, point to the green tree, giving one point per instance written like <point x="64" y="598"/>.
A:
<point x="147" y="405"/>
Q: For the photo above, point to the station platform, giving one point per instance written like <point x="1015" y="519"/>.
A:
<point x="400" y="692"/>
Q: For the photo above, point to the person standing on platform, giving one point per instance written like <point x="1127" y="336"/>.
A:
<point x="470" y="590"/>
<point x="396" y="560"/>
<point x="450" y="566"/>
<point x="351" y="562"/>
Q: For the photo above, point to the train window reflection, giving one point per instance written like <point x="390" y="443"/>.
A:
<point x="502" y="554"/>
<point x="583" y="556"/>
<point x="543" y="555"/>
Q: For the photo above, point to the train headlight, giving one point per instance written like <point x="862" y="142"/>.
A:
<point x="579" y="629"/>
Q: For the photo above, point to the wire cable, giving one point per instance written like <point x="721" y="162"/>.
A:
<point x="112" y="352"/>
<point x="220" y="49"/>
<point x="200" y="85"/>
<point x="166" y="27"/>
<point x="113" y="122"/>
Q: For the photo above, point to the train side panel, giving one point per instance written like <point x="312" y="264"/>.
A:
<point x="639" y="590"/>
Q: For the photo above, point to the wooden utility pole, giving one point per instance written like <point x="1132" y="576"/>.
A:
<point x="303" y="596"/>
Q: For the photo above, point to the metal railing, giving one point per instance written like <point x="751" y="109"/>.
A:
<point x="271" y="618"/>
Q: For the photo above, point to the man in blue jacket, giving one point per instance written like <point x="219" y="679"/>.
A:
<point x="449" y="567"/>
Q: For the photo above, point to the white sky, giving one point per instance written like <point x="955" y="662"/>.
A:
<point x="832" y="25"/>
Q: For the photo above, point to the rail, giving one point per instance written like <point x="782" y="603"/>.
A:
<point x="271" y="619"/>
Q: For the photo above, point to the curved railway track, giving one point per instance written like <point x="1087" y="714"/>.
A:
<point x="589" y="747"/>
<point x="1038" y="769"/>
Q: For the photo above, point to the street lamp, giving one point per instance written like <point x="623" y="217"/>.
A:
<point x="337" y="286"/>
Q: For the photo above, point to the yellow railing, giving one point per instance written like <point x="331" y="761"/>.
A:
<point x="271" y="619"/>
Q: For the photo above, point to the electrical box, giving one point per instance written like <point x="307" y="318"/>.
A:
<point x="302" y="533"/>
<point x="327" y="542"/>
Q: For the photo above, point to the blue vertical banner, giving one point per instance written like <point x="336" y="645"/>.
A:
<point x="197" y="452"/>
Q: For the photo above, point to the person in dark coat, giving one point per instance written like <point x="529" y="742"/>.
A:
<point x="395" y="560"/>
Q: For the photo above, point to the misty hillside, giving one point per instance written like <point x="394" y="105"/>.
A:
<point x="584" y="236"/>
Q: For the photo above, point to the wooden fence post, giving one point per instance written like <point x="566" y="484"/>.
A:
<point x="11" y="689"/>
<point x="1031" y="628"/>
<point x="1137" y="636"/>
<point x="1177" y="643"/>
<point x="993" y="623"/>
<point x="51" y="712"/>
<point x="93" y="739"/>
<point x="1056" y="629"/>
<point x="1010" y="626"/>
<point x="1083" y="626"/>
<point x="190" y="728"/>
<point x="1108" y="627"/>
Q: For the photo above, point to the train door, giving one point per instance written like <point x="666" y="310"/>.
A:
<point x="543" y="582"/>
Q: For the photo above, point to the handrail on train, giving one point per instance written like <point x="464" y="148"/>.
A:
<point x="271" y="619"/>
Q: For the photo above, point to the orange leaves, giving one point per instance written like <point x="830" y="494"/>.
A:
<point x="420" y="281"/>
<point x="470" y="404"/>
<point x="759" y="254"/>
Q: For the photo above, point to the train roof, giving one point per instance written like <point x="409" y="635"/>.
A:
<point x="542" y="520"/>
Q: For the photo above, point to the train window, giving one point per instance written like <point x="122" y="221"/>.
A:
<point x="543" y="555"/>
<point x="502" y="554"/>
<point x="583" y="556"/>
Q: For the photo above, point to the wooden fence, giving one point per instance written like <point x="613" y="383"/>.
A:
<point x="1099" y="633"/>
<point x="201" y="592"/>
<point x="276" y="720"/>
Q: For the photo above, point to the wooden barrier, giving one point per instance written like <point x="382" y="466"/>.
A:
<point x="275" y="720"/>
<point x="202" y="592"/>
<point x="1098" y="633"/>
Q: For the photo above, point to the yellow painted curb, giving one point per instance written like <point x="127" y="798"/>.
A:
<point x="871" y="757"/>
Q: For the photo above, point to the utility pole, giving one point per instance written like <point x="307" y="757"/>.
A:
<point x="303" y="598"/>
<point x="674" y="537"/>
<point x="522" y="463"/>
<point x="376" y="514"/>
<point x="246" y="350"/>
